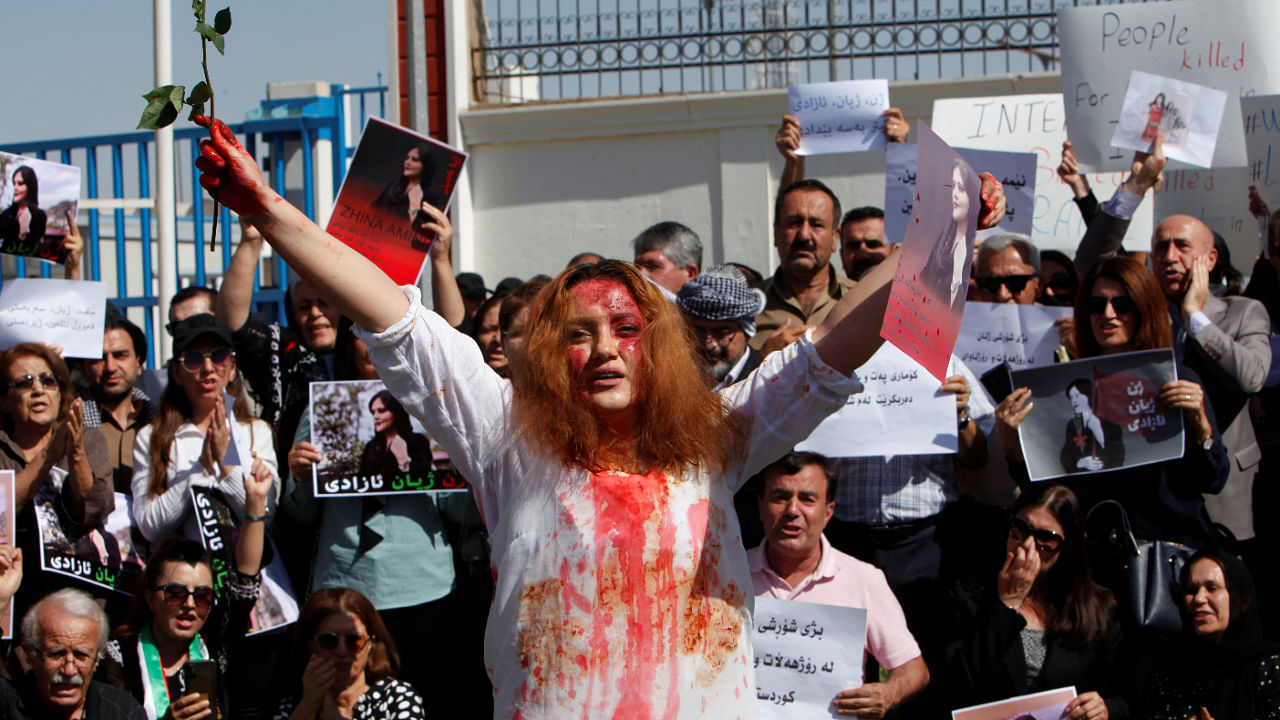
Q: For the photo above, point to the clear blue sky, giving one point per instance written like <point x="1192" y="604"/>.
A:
<point x="79" y="67"/>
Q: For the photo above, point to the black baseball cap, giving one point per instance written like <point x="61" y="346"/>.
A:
<point x="471" y="285"/>
<point x="187" y="331"/>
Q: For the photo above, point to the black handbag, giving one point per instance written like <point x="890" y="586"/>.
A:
<point x="1145" y="575"/>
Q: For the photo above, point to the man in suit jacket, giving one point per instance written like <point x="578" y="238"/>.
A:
<point x="1225" y="340"/>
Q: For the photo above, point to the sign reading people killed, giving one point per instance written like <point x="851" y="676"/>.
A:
<point x="372" y="446"/>
<point x="805" y="653"/>
<point x="68" y="313"/>
<point x="1034" y="124"/>
<point x="1098" y="414"/>
<point x="94" y="555"/>
<point x="1021" y="335"/>
<point x="839" y="116"/>
<point x="927" y="299"/>
<point x="1262" y="144"/>
<point x="897" y="393"/>
<point x="1016" y="171"/>
<point x="379" y="208"/>
<point x="1185" y="114"/>
<point x="36" y="198"/>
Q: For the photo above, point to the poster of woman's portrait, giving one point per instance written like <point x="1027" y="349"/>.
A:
<point x="38" y="201"/>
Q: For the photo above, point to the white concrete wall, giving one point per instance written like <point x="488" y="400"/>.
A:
<point x="548" y="181"/>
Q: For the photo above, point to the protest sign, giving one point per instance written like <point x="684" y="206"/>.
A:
<point x="36" y="196"/>
<point x="1224" y="44"/>
<point x="67" y="313"/>
<point x="1098" y="414"/>
<point x="897" y="393"/>
<point x="1035" y="124"/>
<point x="1047" y="705"/>
<point x="372" y="446"/>
<point x="94" y="555"/>
<point x="378" y="209"/>
<point x="277" y="605"/>
<point x="1262" y="142"/>
<point x="839" y="116"/>
<point x="8" y="517"/>
<point x="1021" y="335"/>
<point x="926" y="301"/>
<point x="1186" y="114"/>
<point x="805" y="653"/>
<point x="1016" y="171"/>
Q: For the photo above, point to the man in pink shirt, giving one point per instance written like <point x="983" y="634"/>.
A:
<point x="795" y="562"/>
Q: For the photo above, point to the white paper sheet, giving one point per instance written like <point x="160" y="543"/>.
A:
<point x="839" y="116"/>
<point x="67" y="313"/>
<point x="1187" y="114"/>
<point x="805" y="653"/>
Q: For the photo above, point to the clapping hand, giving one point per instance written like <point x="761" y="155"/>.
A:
<point x="217" y="438"/>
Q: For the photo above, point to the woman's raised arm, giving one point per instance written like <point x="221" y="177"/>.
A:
<point x="344" y="277"/>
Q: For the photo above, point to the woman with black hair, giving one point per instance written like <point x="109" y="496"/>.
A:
<point x="23" y="221"/>
<point x="395" y="447"/>
<point x="1045" y="623"/>
<point x="405" y="195"/>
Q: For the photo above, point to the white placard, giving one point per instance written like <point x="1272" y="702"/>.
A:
<point x="1047" y="705"/>
<point x="1022" y="335"/>
<point x="898" y="393"/>
<point x="805" y="653"/>
<point x="1262" y="144"/>
<point x="1188" y="115"/>
<point x="1225" y="44"/>
<point x="839" y="116"/>
<point x="1035" y="124"/>
<point x="67" y="313"/>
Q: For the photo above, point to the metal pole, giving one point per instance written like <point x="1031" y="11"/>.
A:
<point x="167" y="268"/>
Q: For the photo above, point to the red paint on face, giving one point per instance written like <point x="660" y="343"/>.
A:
<point x="603" y="330"/>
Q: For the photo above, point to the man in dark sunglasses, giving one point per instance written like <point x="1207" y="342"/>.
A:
<point x="1225" y="340"/>
<point x="1008" y="270"/>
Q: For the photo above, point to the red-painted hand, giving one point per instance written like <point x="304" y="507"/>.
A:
<point x="992" y="201"/>
<point x="228" y="172"/>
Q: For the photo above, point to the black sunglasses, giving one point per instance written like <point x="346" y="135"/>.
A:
<point x="194" y="359"/>
<point x="1046" y="540"/>
<point x="330" y="641"/>
<point x="176" y="595"/>
<point x="28" y="381"/>
<point x="1015" y="283"/>
<point x="1122" y="304"/>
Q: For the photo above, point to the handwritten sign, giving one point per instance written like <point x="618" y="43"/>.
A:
<point x="372" y="446"/>
<point x="1262" y="144"/>
<point x="1035" y="124"/>
<point x="1225" y="44"/>
<point x="1098" y="414"/>
<point x="805" y="653"/>
<point x="1016" y="171"/>
<point x="69" y="313"/>
<point x="1021" y="335"/>
<point x="839" y="116"/>
<point x="1047" y="705"/>
<point x="93" y="555"/>
<point x="926" y="301"/>
<point x="277" y="605"/>
<point x="1187" y="114"/>
<point x="897" y="393"/>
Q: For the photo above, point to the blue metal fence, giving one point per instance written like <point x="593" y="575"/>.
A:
<point x="129" y="157"/>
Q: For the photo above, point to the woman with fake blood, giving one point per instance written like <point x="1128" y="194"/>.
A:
<point x="605" y="470"/>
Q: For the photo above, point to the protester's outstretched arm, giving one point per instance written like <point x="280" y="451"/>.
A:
<point x="235" y="299"/>
<point x="788" y="141"/>
<point x="850" y="334"/>
<point x="253" y="531"/>
<point x="446" y="298"/>
<point x="344" y="277"/>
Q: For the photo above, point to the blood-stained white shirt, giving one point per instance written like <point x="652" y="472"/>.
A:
<point x="616" y="595"/>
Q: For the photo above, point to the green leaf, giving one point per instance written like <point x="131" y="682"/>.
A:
<point x="197" y="8"/>
<point x="196" y="109"/>
<point x="206" y="31"/>
<point x="218" y="43"/>
<point x="199" y="94"/>
<point x="222" y="21"/>
<point x="162" y="108"/>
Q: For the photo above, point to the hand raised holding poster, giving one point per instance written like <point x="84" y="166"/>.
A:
<point x="1188" y="115"/>
<point x="926" y="303"/>
<point x="839" y="116"/>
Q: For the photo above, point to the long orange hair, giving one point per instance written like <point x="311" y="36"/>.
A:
<point x="679" y="423"/>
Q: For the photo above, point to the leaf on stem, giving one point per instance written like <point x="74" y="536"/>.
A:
<point x="163" y="104"/>
<point x="222" y="21"/>
<point x="208" y="33"/>
<point x="199" y="94"/>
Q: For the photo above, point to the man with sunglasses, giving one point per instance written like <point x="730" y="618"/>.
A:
<point x="1225" y="340"/>
<point x="1008" y="270"/>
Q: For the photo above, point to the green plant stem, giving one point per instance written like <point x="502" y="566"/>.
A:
<point x="204" y="64"/>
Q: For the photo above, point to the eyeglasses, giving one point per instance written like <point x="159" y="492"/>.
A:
<point x="854" y="244"/>
<point x="82" y="657"/>
<point x="28" y="381"/>
<point x="719" y="333"/>
<point x="330" y="641"/>
<point x="1047" y="541"/>
<point x="1015" y="283"/>
<point x="175" y="595"/>
<point x="194" y="359"/>
<point x="1122" y="304"/>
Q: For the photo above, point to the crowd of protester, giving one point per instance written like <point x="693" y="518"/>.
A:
<point x="627" y="430"/>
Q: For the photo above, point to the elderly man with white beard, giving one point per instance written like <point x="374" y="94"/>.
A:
<point x="721" y="308"/>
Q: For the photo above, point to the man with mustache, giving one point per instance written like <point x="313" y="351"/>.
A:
<point x="113" y="400"/>
<point x="721" y="309"/>
<point x="63" y="637"/>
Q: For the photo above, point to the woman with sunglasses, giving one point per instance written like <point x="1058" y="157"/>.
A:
<point x="348" y="663"/>
<point x="1045" y="624"/>
<point x="177" y="616"/>
<point x="187" y="443"/>
<point x="1122" y="309"/>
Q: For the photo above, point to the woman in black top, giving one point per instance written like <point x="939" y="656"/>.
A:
<point x="395" y="448"/>
<point x="22" y="223"/>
